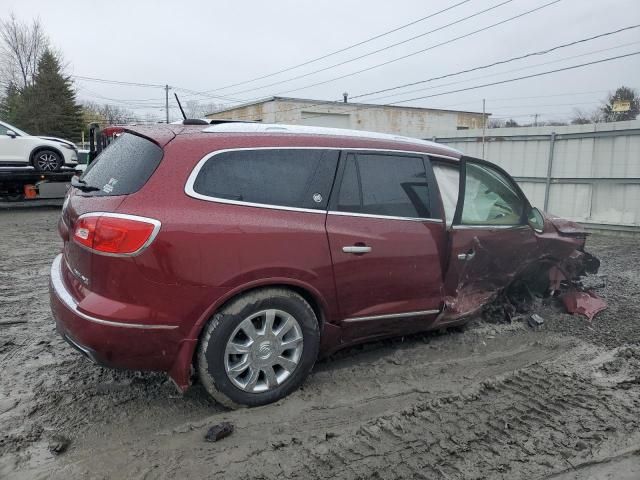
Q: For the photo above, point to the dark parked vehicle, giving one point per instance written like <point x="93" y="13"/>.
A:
<point x="244" y="251"/>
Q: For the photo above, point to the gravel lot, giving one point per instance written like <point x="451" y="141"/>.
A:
<point x="488" y="402"/>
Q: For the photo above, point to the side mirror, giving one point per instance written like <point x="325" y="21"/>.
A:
<point x="11" y="134"/>
<point x="535" y="219"/>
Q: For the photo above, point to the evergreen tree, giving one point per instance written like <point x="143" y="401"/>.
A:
<point x="624" y="94"/>
<point x="10" y="104"/>
<point x="48" y="106"/>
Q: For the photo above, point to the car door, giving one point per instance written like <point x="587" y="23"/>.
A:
<point x="11" y="147"/>
<point x="490" y="240"/>
<point x="386" y="237"/>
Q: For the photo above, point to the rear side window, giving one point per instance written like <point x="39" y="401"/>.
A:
<point x="390" y="185"/>
<point x="298" y="178"/>
<point x="123" y="167"/>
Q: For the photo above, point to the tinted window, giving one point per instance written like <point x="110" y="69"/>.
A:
<point x="389" y="185"/>
<point x="124" y="166"/>
<point x="289" y="178"/>
<point x="490" y="198"/>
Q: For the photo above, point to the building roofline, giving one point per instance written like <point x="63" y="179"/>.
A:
<point x="319" y="103"/>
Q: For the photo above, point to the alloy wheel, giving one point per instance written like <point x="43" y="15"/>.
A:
<point x="263" y="351"/>
<point x="47" y="162"/>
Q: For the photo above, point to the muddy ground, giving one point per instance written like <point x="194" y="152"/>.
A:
<point x="489" y="402"/>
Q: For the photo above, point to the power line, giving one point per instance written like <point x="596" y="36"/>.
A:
<point x="325" y="102"/>
<point x="475" y="102"/>
<point x="527" y="67"/>
<point x="344" y="49"/>
<point x="548" y="105"/>
<point x="510" y="80"/>
<point x="150" y="85"/>
<point x="500" y="62"/>
<point x="116" y="82"/>
<point x="528" y="12"/>
<point x="208" y="95"/>
<point x="373" y="52"/>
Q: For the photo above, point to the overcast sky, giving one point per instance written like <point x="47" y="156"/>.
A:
<point x="206" y="45"/>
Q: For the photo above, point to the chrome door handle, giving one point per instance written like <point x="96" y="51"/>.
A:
<point x="467" y="256"/>
<point x="356" y="249"/>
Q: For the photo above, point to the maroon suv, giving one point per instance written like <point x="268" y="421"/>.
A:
<point x="246" y="250"/>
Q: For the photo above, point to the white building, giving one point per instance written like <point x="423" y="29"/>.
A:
<point x="400" y="120"/>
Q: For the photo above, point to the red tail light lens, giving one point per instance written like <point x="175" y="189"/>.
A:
<point x="115" y="234"/>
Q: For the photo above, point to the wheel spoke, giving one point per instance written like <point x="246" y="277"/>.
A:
<point x="249" y="329"/>
<point x="269" y="318"/>
<point x="254" y="373"/>
<point x="288" y="325"/>
<point x="288" y="365"/>
<point x="289" y="344"/>
<point x="270" y="375"/>
<point x="240" y="367"/>
<point x="238" y="348"/>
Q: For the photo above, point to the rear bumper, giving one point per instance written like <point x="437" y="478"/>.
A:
<point x="109" y="343"/>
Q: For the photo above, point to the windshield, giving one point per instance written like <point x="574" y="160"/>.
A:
<point x="6" y="126"/>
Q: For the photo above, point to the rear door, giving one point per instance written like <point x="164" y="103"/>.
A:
<point x="489" y="240"/>
<point x="386" y="239"/>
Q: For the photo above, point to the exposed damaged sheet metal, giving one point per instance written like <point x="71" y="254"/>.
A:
<point x="586" y="303"/>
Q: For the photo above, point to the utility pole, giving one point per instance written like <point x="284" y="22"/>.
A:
<point x="484" y="125"/>
<point x="166" y="101"/>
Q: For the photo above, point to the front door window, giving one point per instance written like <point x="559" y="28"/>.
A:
<point x="490" y="198"/>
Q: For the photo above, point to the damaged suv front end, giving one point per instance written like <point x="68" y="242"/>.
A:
<point x="503" y="251"/>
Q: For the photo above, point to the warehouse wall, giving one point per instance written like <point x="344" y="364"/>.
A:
<point x="411" y="122"/>
<point x="595" y="169"/>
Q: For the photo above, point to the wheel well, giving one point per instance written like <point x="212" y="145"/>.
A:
<point x="308" y="297"/>
<point x="40" y="149"/>
<point x="304" y="293"/>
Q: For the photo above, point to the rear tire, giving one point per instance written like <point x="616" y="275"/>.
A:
<point x="47" y="161"/>
<point x="259" y="348"/>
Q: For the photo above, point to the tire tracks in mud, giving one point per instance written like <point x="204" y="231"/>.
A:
<point x="531" y="423"/>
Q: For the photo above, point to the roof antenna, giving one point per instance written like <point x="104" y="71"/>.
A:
<point x="179" y="105"/>
<point x="345" y="96"/>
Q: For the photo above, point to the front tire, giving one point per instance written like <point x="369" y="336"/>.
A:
<point x="47" y="161"/>
<point x="259" y="348"/>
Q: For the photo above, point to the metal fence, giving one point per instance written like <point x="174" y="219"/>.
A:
<point x="587" y="173"/>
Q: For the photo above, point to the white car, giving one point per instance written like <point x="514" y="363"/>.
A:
<point x="45" y="154"/>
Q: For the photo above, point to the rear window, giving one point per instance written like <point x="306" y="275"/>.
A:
<point x="299" y="178"/>
<point x="124" y="166"/>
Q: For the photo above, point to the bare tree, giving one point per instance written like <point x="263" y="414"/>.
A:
<point x="107" y="114"/>
<point x="583" y="117"/>
<point x="22" y="45"/>
<point x="196" y="109"/>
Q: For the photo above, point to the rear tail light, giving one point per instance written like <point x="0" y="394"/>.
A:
<point x="115" y="234"/>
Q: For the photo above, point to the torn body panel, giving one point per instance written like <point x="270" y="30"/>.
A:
<point x="485" y="263"/>
<point x="584" y="303"/>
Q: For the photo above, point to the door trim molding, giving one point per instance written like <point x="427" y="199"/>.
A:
<point x="391" y="315"/>
<point x="385" y="217"/>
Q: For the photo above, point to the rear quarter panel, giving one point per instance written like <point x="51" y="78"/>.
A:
<point x="207" y="251"/>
